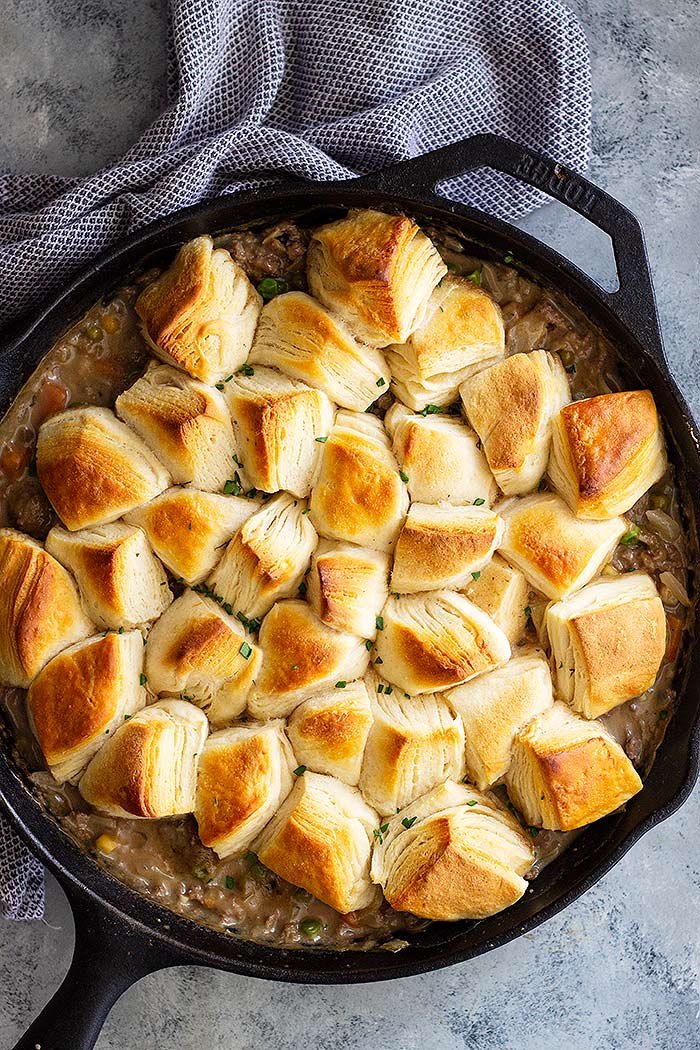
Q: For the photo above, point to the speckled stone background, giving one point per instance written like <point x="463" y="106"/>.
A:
<point x="79" y="79"/>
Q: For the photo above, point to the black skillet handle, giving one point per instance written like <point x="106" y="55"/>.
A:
<point x="634" y="302"/>
<point x="109" y="956"/>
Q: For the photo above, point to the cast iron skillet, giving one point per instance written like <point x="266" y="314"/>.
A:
<point x="121" y="936"/>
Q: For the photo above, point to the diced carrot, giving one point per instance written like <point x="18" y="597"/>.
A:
<point x="52" y="397"/>
<point x="14" y="461"/>
<point x="110" y="323"/>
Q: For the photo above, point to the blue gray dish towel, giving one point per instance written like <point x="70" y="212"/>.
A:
<point x="323" y="89"/>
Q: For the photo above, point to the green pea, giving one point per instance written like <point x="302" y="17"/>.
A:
<point x="311" y="927"/>
<point x="94" y="332"/>
<point x="269" y="287"/>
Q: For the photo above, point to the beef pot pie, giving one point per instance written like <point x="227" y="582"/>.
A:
<point x="327" y="617"/>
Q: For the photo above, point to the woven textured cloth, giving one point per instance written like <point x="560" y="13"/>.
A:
<point x="322" y="89"/>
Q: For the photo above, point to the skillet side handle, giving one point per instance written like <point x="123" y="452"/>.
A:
<point x="109" y="956"/>
<point x="634" y="302"/>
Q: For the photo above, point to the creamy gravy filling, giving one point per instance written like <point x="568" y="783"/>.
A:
<point x="102" y="355"/>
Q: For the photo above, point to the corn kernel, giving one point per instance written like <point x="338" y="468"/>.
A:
<point x="106" y="843"/>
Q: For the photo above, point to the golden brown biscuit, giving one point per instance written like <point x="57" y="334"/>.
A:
<point x="277" y="421"/>
<point x="432" y="641"/>
<point x="189" y="529"/>
<point x="566" y="772"/>
<point x="301" y="656"/>
<point x="93" y="468"/>
<point x="462" y="332"/>
<point x="606" y="452"/>
<point x="442" y="546"/>
<point x="321" y="840"/>
<point x="441" y="457"/>
<point x="347" y="586"/>
<point x="558" y="552"/>
<point x="511" y="406"/>
<point x="455" y="853"/>
<point x="122" y="583"/>
<point x="329" y="731"/>
<point x="359" y="495"/>
<point x="375" y="270"/>
<point x="301" y="338"/>
<point x="184" y="422"/>
<point x="199" y="652"/>
<point x="245" y="774"/>
<point x="608" y="642"/>
<point x="40" y="611"/>
<point x="494" y="706"/>
<point x="201" y="313"/>
<point x="82" y="695"/>
<point x="148" y="768"/>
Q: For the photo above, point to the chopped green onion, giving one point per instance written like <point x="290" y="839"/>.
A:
<point x="142" y="679"/>
<point x="245" y="650"/>
<point x="307" y="511"/>
<point x="408" y="822"/>
<point x="340" y="685"/>
<point x="474" y="276"/>
<point x="430" y="410"/>
<point x="231" y="488"/>
<point x="528" y="610"/>
<point x="476" y="575"/>
<point x="379" y="660"/>
<point x="571" y="369"/>
<point x="387" y="689"/>
<point x="508" y="257"/>
<point x="473" y="802"/>
<point x="368" y="644"/>
<point x="379" y="623"/>
<point x="246" y="370"/>
<point x="381" y="382"/>
<point x="219" y="386"/>
<point x="229" y="882"/>
<point x="479" y="502"/>
<point x="631" y="538"/>
<point x="299" y="771"/>
<point x="380" y="688"/>
<point x="322" y="440"/>
<point x="404" y="476"/>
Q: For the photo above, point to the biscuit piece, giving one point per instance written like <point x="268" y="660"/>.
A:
<point x="245" y="774"/>
<point x="189" y="529"/>
<point x="267" y="558"/>
<point x="511" y="406"/>
<point x="502" y="592"/>
<point x="432" y="641"/>
<point x="442" y="546"/>
<point x="414" y="744"/>
<point x="608" y="642"/>
<point x="121" y="582"/>
<point x="347" y="586"/>
<point x="40" y="610"/>
<point x="148" y="768"/>
<point x="558" y="552"/>
<point x="441" y="457"/>
<point x="277" y="421"/>
<point x="200" y="315"/>
<point x="301" y="656"/>
<point x="606" y="452"/>
<point x="300" y="337"/>
<point x="329" y="731"/>
<point x="199" y="652"/>
<point x="461" y="333"/>
<point x="455" y="853"/>
<point x="93" y="468"/>
<point x="566" y="772"/>
<point x="377" y="271"/>
<point x="359" y="495"/>
<point x="81" y="696"/>
<point x="321" y="840"/>
<point x="493" y="707"/>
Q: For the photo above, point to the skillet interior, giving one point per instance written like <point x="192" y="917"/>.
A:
<point x="602" y="844"/>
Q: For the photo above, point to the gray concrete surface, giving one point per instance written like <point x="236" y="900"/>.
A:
<point x="620" y="968"/>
